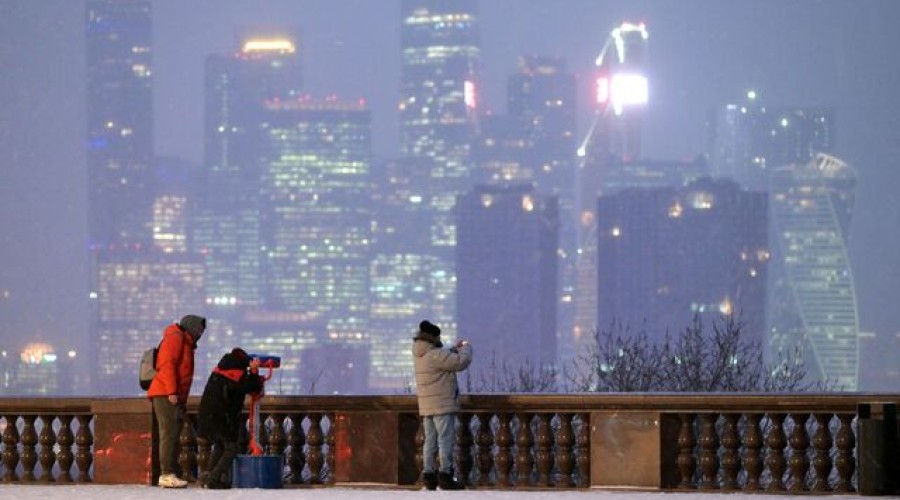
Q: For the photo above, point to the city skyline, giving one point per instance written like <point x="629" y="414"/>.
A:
<point x="827" y="78"/>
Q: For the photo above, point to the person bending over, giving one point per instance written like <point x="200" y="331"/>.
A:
<point x="219" y="421"/>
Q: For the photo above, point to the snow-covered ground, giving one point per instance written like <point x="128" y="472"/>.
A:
<point x="136" y="492"/>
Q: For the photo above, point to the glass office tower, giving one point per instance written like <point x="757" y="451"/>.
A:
<point x="316" y="218"/>
<point x="620" y="101"/>
<point x="813" y="299"/>
<point x="438" y="118"/>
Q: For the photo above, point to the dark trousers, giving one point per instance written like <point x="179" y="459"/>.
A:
<point x="223" y="453"/>
<point x="168" y="418"/>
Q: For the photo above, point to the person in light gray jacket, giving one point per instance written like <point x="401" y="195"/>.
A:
<point x="438" y="397"/>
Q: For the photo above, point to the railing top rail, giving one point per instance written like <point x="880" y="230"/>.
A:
<point x="681" y="402"/>
<point x="661" y="402"/>
<point x="45" y="406"/>
<point x="655" y="401"/>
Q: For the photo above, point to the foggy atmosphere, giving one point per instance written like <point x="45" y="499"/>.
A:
<point x="316" y="177"/>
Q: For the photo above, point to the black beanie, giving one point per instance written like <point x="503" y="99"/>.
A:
<point x="429" y="328"/>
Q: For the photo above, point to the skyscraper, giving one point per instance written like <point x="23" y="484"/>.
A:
<point x="667" y="253"/>
<point x="748" y="140"/>
<point x="614" y="137"/>
<point x="784" y="151"/>
<point x="439" y="99"/>
<point x="507" y="275"/>
<point x="139" y="291"/>
<point x="120" y="185"/>
<point x="316" y="218"/>
<point x="265" y="66"/>
<point x="542" y="99"/>
<point x="438" y="115"/>
<point x="400" y="278"/>
<point x="119" y="121"/>
<point x="813" y="298"/>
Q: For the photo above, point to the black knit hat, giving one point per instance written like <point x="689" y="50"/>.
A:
<point x="429" y="328"/>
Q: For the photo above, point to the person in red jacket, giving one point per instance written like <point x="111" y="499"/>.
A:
<point x="170" y="388"/>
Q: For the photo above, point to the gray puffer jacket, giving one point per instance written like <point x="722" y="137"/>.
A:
<point x="436" y="369"/>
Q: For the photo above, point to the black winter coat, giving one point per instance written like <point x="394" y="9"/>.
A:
<point x="223" y="398"/>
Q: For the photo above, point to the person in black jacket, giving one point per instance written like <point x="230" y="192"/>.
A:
<point x="220" y="412"/>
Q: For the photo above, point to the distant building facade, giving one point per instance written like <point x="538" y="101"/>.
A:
<point x="621" y="97"/>
<point x="265" y="66"/>
<point x="668" y="253"/>
<point x="534" y="143"/>
<point x="139" y="292"/>
<point x="316" y="221"/>
<point x="121" y="192"/>
<point x="412" y="273"/>
<point x="119" y="121"/>
<point x="439" y="99"/>
<point x="813" y="300"/>
<point x="507" y="275"/>
<point x="786" y="152"/>
<point x="748" y="140"/>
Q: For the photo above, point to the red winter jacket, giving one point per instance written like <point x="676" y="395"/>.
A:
<point x="174" y="365"/>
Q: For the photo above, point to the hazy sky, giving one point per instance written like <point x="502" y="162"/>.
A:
<point x="702" y="53"/>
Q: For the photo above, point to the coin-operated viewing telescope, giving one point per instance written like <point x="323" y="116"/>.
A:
<point x="256" y="469"/>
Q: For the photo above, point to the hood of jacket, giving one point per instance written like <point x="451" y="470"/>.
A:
<point x="425" y="342"/>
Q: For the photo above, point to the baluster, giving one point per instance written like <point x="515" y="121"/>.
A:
<point x="46" y="455"/>
<point x="330" y="440"/>
<point x="264" y="432"/>
<point x="821" y="442"/>
<point x="64" y="456"/>
<point x="84" y="440"/>
<point x="583" y="455"/>
<point x="504" y="461"/>
<point x="709" y="452"/>
<point x="843" y="461"/>
<point x="544" y="442"/>
<point x="731" y="459"/>
<point x="296" y="459"/>
<point x="776" y="441"/>
<point x="799" y="462"/>
<point x="203" y="452"/>
<point x="277" y="437"/>
<point x="524" y="458"/>
<point x="686" y="442"/>
<point x="29" y="454"/>
<point x="420" y="444"/>
<point x="484" y="440"/>
<point x="463" y="450"/>
<point x="11" y="449"/>
<point x="314" y="456"/>
<point x="752" y="454"/>
<point x="565" y="457"/>
<point x="187" y="440"/>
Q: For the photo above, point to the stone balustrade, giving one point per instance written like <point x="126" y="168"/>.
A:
<point x="771" y="443"/>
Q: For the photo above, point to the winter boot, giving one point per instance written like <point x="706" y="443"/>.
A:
<point x="447" y="482"/>
<point x="431" y="480"/>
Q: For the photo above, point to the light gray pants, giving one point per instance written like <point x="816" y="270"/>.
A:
<point x="440" y="436"/>
<point x="168" y="417"/>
